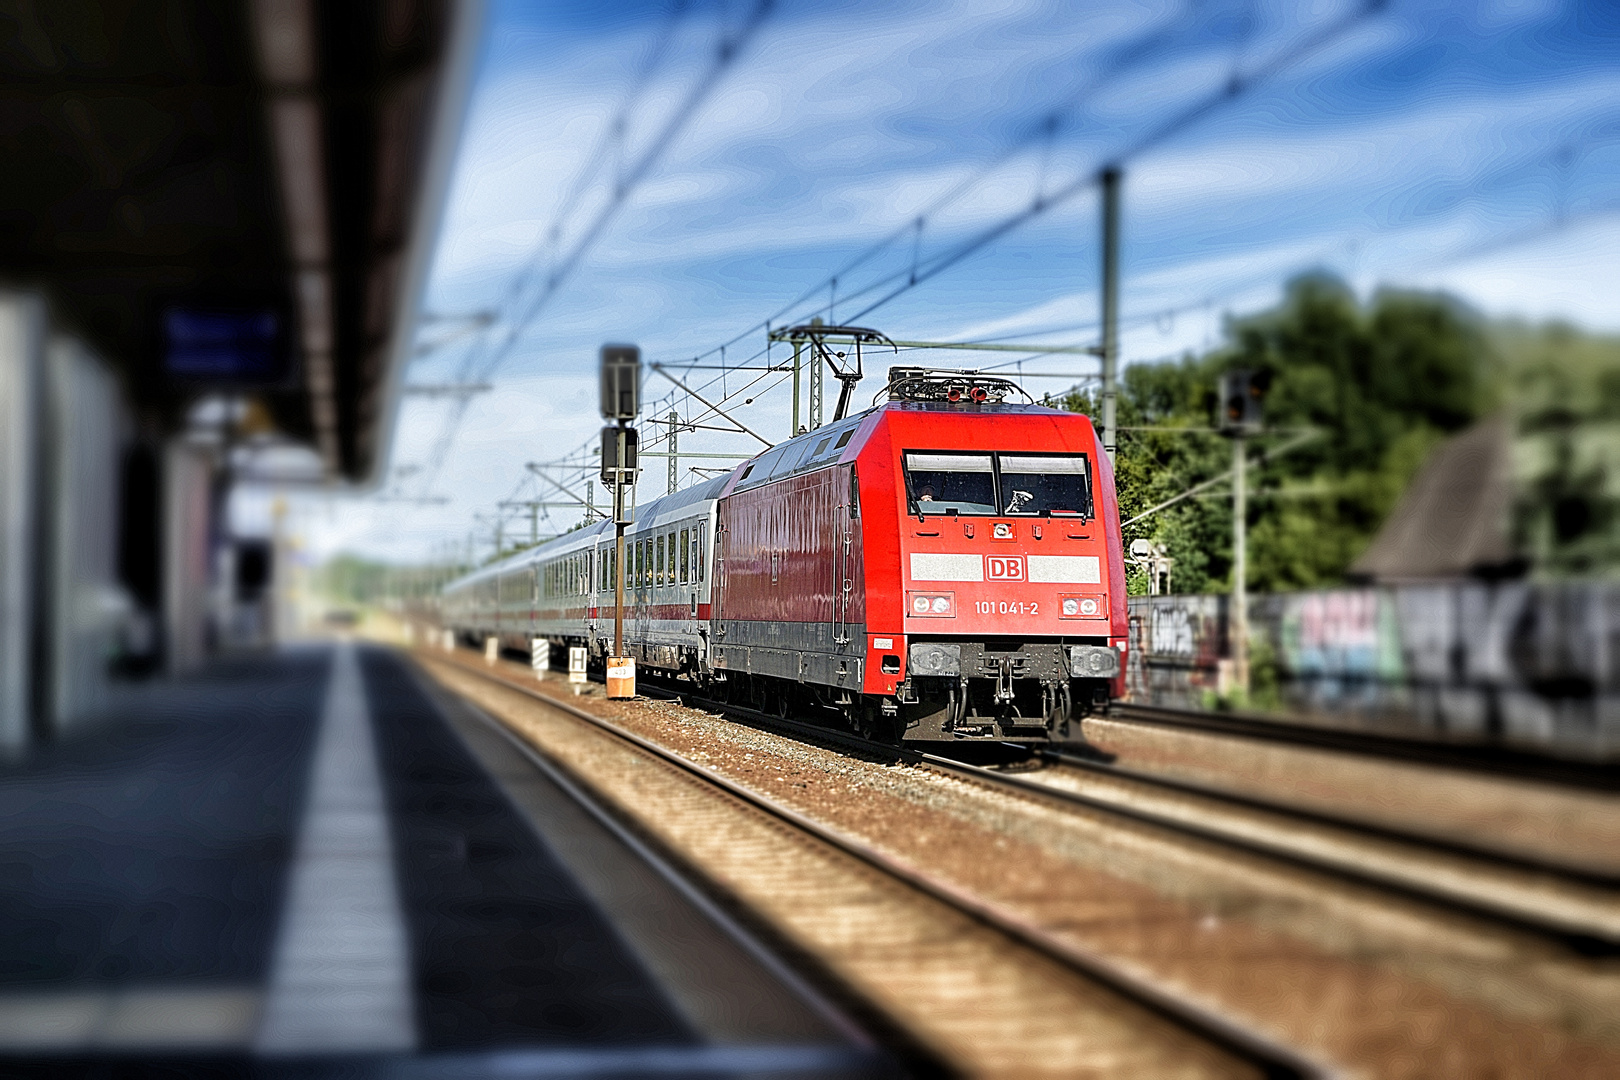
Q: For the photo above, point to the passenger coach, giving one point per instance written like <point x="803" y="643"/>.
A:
<point x="944" y="566"/>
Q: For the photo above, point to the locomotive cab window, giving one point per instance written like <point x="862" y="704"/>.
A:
<point x="1025" y="485"/>
<point x="938" y="483"/>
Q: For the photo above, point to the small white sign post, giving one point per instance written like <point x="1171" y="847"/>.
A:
<point x="540" y="656"/>
<point x="577" y="656"/>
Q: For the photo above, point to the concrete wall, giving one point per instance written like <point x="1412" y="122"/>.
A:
<point x="1514" y="663"/>
<point x="85" y="608"/>
<point x="22" y="349"/>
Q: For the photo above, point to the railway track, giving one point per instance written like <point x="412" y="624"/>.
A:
<point x="1088" y="1017"/>
<point x="1426" y="911"/>
<point x="1574" y="907"/>
<point x="1450" y="753"/>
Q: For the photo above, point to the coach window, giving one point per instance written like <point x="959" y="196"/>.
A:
<point x="685" y="563"/>
<point x="702" y="566"/>
<point x="1045" y="484"/>
<point x="669" y="569"/>
<point x="662" y="576"/>
<point x="939" y="483"/>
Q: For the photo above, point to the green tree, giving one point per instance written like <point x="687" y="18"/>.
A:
<point x="1564" y="387"/>
<point x="1381" y="382"/>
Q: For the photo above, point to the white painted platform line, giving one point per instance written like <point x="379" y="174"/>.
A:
<point x="340" y="978"/>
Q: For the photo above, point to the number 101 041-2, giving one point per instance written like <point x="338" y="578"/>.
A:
<point x="1007" y="607"/>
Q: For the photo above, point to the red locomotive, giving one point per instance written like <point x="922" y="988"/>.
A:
<point x="945" y="566"/>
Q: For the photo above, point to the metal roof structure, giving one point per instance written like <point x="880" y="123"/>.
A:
<point x="1452" y="521"/>
<point x="273" y="164"/>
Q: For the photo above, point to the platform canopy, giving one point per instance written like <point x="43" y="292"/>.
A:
<point x="235" y="195"/>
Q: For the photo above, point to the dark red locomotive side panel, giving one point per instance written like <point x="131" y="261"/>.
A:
<point x="785" y="552"/>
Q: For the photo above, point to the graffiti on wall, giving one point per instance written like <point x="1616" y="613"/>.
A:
<point x="1510" y="660"/>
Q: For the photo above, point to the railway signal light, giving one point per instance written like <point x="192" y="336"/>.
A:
<point x="612" y="467"/>
<point x="1242" y="393"/>
<point x="621" y="382"/>
<point x="621" y="403"/>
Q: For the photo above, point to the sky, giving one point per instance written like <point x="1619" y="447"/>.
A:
<point x="675" y="177"/>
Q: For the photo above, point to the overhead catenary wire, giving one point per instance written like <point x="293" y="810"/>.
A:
<point x="1236" y="86"/>
<point x="1132" y="54"/>
<point x="731" y="42"/>
<point x="922" y="270"/>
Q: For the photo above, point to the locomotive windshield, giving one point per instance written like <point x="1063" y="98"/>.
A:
<point x="997" y="484"/>
<point x="1045" y="484"/>
<point x="937" y="483"/>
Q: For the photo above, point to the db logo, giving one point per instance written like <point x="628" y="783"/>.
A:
<point x="1005" y="567"/>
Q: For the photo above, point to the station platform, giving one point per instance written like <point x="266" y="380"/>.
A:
<point x="317" y="863"/>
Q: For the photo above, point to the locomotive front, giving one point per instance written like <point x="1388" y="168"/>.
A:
<point x="994" y="572"/>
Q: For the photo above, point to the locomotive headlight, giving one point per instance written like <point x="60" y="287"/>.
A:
<point x="933" y="605"/>
<point x="1083" y="606"/>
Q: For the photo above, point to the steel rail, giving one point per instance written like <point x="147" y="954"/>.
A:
<point x="1574" y="874"/>
<point x="1457" y="753"/>
<point x="1273" y="1059"/>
